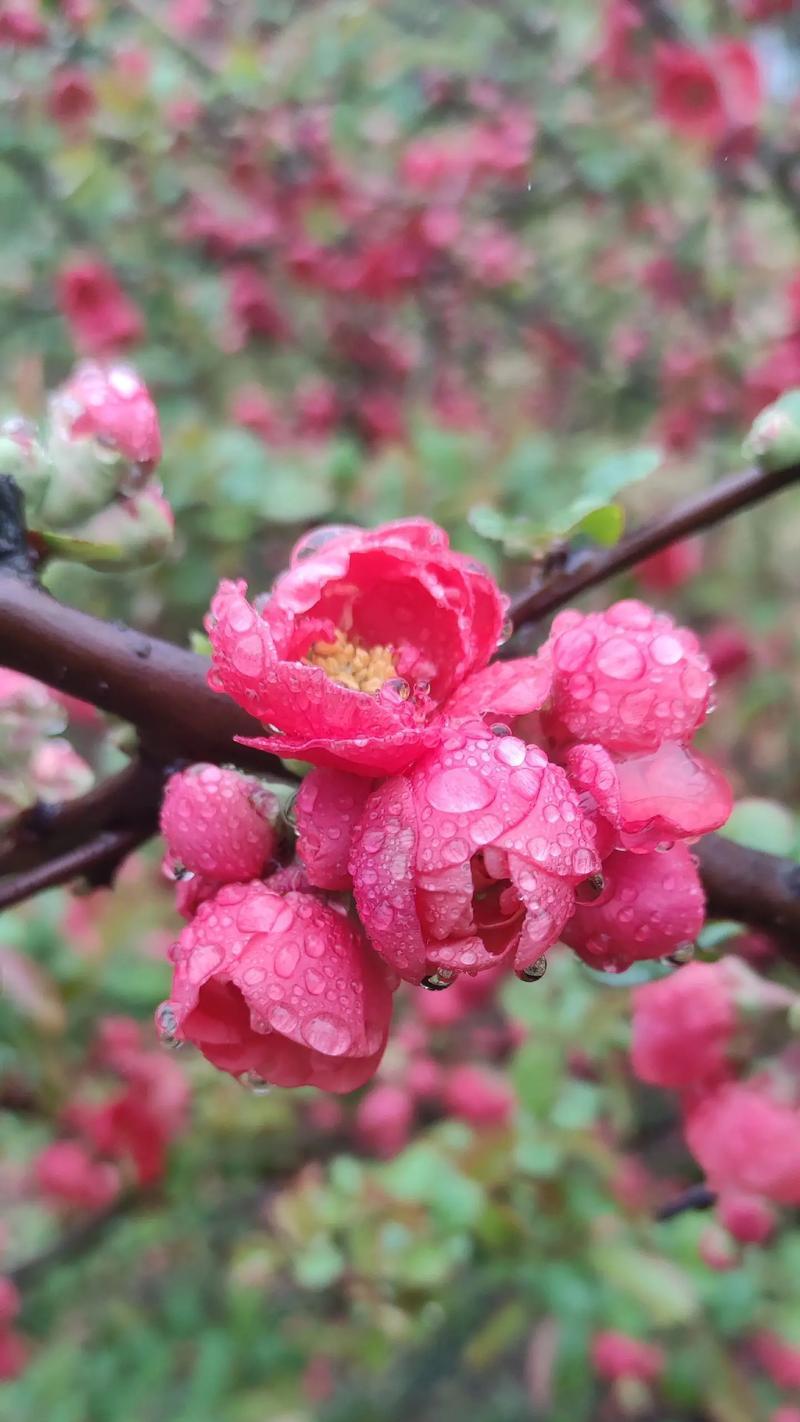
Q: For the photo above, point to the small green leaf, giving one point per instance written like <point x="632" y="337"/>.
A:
<point x="762" y="824"/>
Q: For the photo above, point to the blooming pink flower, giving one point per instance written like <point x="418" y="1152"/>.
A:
<point x="281" y="987"/>
<point x="67" y="1174"/>
<point x="219" y="824"/>
<point x="748" y="1218"/>
<point x="384" y="1118"/>
<point x="652" y="904"/>
<point x="470" y="857"/>
<point x="627" y="678"/>
<point x="482" y="1098"/>
<point x="358" y="646"/>
<point x="617" y="1355"/>
<point x="705" y="95"/>
<point x="101" y="318"/>
<point x="327" y="808"/>
<point x="746" y="1140"/>
<point x="112" y="405"/>
<point x="683" y="1027"/>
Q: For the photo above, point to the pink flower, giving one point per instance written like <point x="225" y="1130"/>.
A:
<point x="470" y="857"/>
<point x="384" y="1119"/>
<point x="778" y="1357"/>
<point x="707" y="95"/>
<point x="482" y="1098"/>
<point x="101" y="318"/>
<point x="20" y="24"/>
<point x="72" y="99"/>
<point x="219" y="824"/>
<point x="627" y="677"/>
<point x="252" y="308"/>
<point x="748" y="1218"/>
<point x="645" y="802"/>
<point x="66" y="1174"/>
<point x="14" y="1349"/>
<point x="683" y="1027"/>
<point x="327" y="808"/>
<point x="112" y="405"/>
<point x="746" y="1140"/>
<point x="617" y="1355"/>
<point x="279" y="987"/>
<point x="652" y="904"/>
<point x="358" y="646"/>
<point x="672" y="567"/>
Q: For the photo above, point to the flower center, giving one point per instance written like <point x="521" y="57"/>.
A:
<point x="353" y="665"/>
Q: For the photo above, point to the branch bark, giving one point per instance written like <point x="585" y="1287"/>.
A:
<point x="162" y="689"/>
<point x="557" y="584"/>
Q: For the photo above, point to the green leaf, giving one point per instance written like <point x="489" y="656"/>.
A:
<point x="762" y="824"/>
<point x="665" y="1293"/>
<point x="617" y="471"/>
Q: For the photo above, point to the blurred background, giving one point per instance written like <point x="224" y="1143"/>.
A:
<point x="529" y="270"/>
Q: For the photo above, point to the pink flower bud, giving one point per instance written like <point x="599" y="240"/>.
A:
<point x="616" y="1355"/>
<point x="481" y="1097"/>
<point x="219" y="824"/>
<point x="383" y="1120"/>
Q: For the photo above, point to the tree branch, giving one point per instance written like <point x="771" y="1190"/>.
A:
<point x="162" y="689"/>
<point x="761" y="890"/>
<point x="558" y="583"/>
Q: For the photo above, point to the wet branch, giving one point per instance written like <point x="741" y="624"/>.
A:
<point x="575" y="571"/>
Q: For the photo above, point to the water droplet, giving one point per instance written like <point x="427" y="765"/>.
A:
<point x="254" y="1083"/>
<point x="318" y="537"/>
<point x="533" y="972"/>
<point x="394" y="690"/>
<point x="167" y="1027"/>
<point x="506" y="632"/>
<point x="459" y="790"/>
<point x="682" y="954"/>
<point x="499" y="728"/>
<point x="591" y="889"/>
<point x="438" y="981"/>
<point x="327" y="1034"/>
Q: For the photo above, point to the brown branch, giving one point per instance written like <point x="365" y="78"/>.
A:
<point x="162" y="689"/>
<point x="695" y="1197"/>
<point x="580" y="570"/>
<point x="761" y="890"/>
<point x="95" y="860"/>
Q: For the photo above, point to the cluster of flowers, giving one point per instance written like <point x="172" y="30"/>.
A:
<point x="121" y="1139"/>
<point x="697" y="1033"/>
<point x="88" y="479"/>
<point x="36" y="762"/>
<point x="473" y="812"/>
<point x="110" y="1142"/>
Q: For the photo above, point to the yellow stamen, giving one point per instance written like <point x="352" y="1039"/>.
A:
<point x="352" y="664"/>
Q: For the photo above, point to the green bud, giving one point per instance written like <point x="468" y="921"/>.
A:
<point x="774" y="438"/>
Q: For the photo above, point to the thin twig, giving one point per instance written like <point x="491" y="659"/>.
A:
<point x="696" y="1197"/>
<point x="581" y="570"/>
